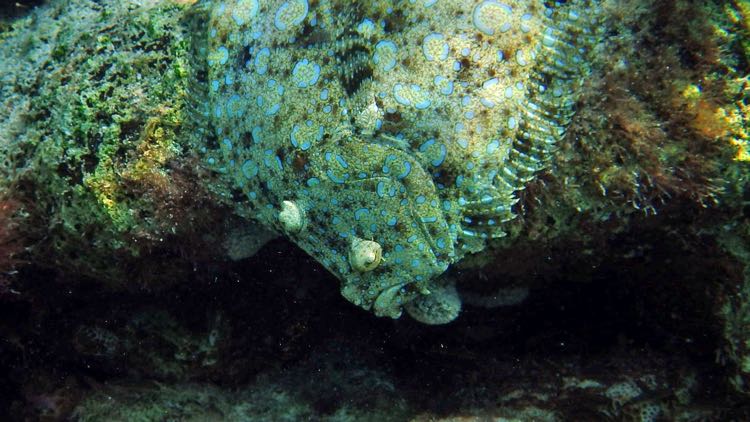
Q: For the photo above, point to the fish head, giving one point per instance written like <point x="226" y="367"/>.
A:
<point x="371" y="216"/>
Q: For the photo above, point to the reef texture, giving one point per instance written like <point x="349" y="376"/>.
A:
<point x="152" y="147"/>
<point x="389" y="139"/>
<point x="648" y="393"/>
<point x="93" y="105"/>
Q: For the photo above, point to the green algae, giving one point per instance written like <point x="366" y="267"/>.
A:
<point x="98" y="145"/>
<point x="95" y="110"/>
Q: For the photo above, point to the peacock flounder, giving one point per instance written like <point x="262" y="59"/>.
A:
<point x="388" y="138"/>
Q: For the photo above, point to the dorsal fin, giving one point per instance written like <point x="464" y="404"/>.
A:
<point x="545" y="112"/>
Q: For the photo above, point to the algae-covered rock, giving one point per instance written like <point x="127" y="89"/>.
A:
<point x="153" y="343"/>
<point x="607" y="389"/>
<point x="94" y="115"/>
<point x="278" y="395"/>
<point x="507" y="148"/>
<point x="735" y="307"/>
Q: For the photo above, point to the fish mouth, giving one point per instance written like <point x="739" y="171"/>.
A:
<point x="390" y="301"/>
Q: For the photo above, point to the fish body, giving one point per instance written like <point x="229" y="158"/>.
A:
<point x="407" y="127"/>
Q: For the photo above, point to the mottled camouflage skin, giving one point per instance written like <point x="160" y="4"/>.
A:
<point x="408" y="123"/>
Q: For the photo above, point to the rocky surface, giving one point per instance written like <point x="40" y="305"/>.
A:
<point x="132" y="280"/>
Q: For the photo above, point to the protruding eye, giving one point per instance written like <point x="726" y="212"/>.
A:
<point x="365" y="255"/>
<point x="292" y="217"/>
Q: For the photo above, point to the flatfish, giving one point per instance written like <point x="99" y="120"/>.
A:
<point x="388" y="139"/>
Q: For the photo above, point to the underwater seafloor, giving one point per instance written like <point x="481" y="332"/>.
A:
<point x="133" y="286"/>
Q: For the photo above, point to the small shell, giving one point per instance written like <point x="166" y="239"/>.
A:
<point x="365" y="255"/>
<point x="292" y="217"/>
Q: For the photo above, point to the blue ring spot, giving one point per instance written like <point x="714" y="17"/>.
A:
<point x="493" y="146"/>
<point x="233" y="104"/>
<point x="273" y="109"/>
<point x="380" y="189"/>
<point x="280" y="24"/>
<point x="386" y="164"/>
<point x="256" y="132"/>
<point x="300" y="67"/>
<point x="335" y="179"/>
<point x="444" y="49"/>
<point x="261" y="60"/>
<point x="489" y="83"/>
<point x="428" y="143"/>
<point x="249" y="169"/>
<point x="342" y="162"/>
<point x="443" y="84"/>
<point x="293" y="136"/>
<point x="423" y="104"/>
<point x="398" y="90"/>
<point x="485" y="102"/>
<point x="224" y="55"/>
<point x="245" y="9"/>
<point x="380" y="50"/>
<point x="480" y="21"/>
<point x="443" y="152"/>
<point x="406" y="172"/>
<point x="358" y="214"/>
<point x="521" y="58"/>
